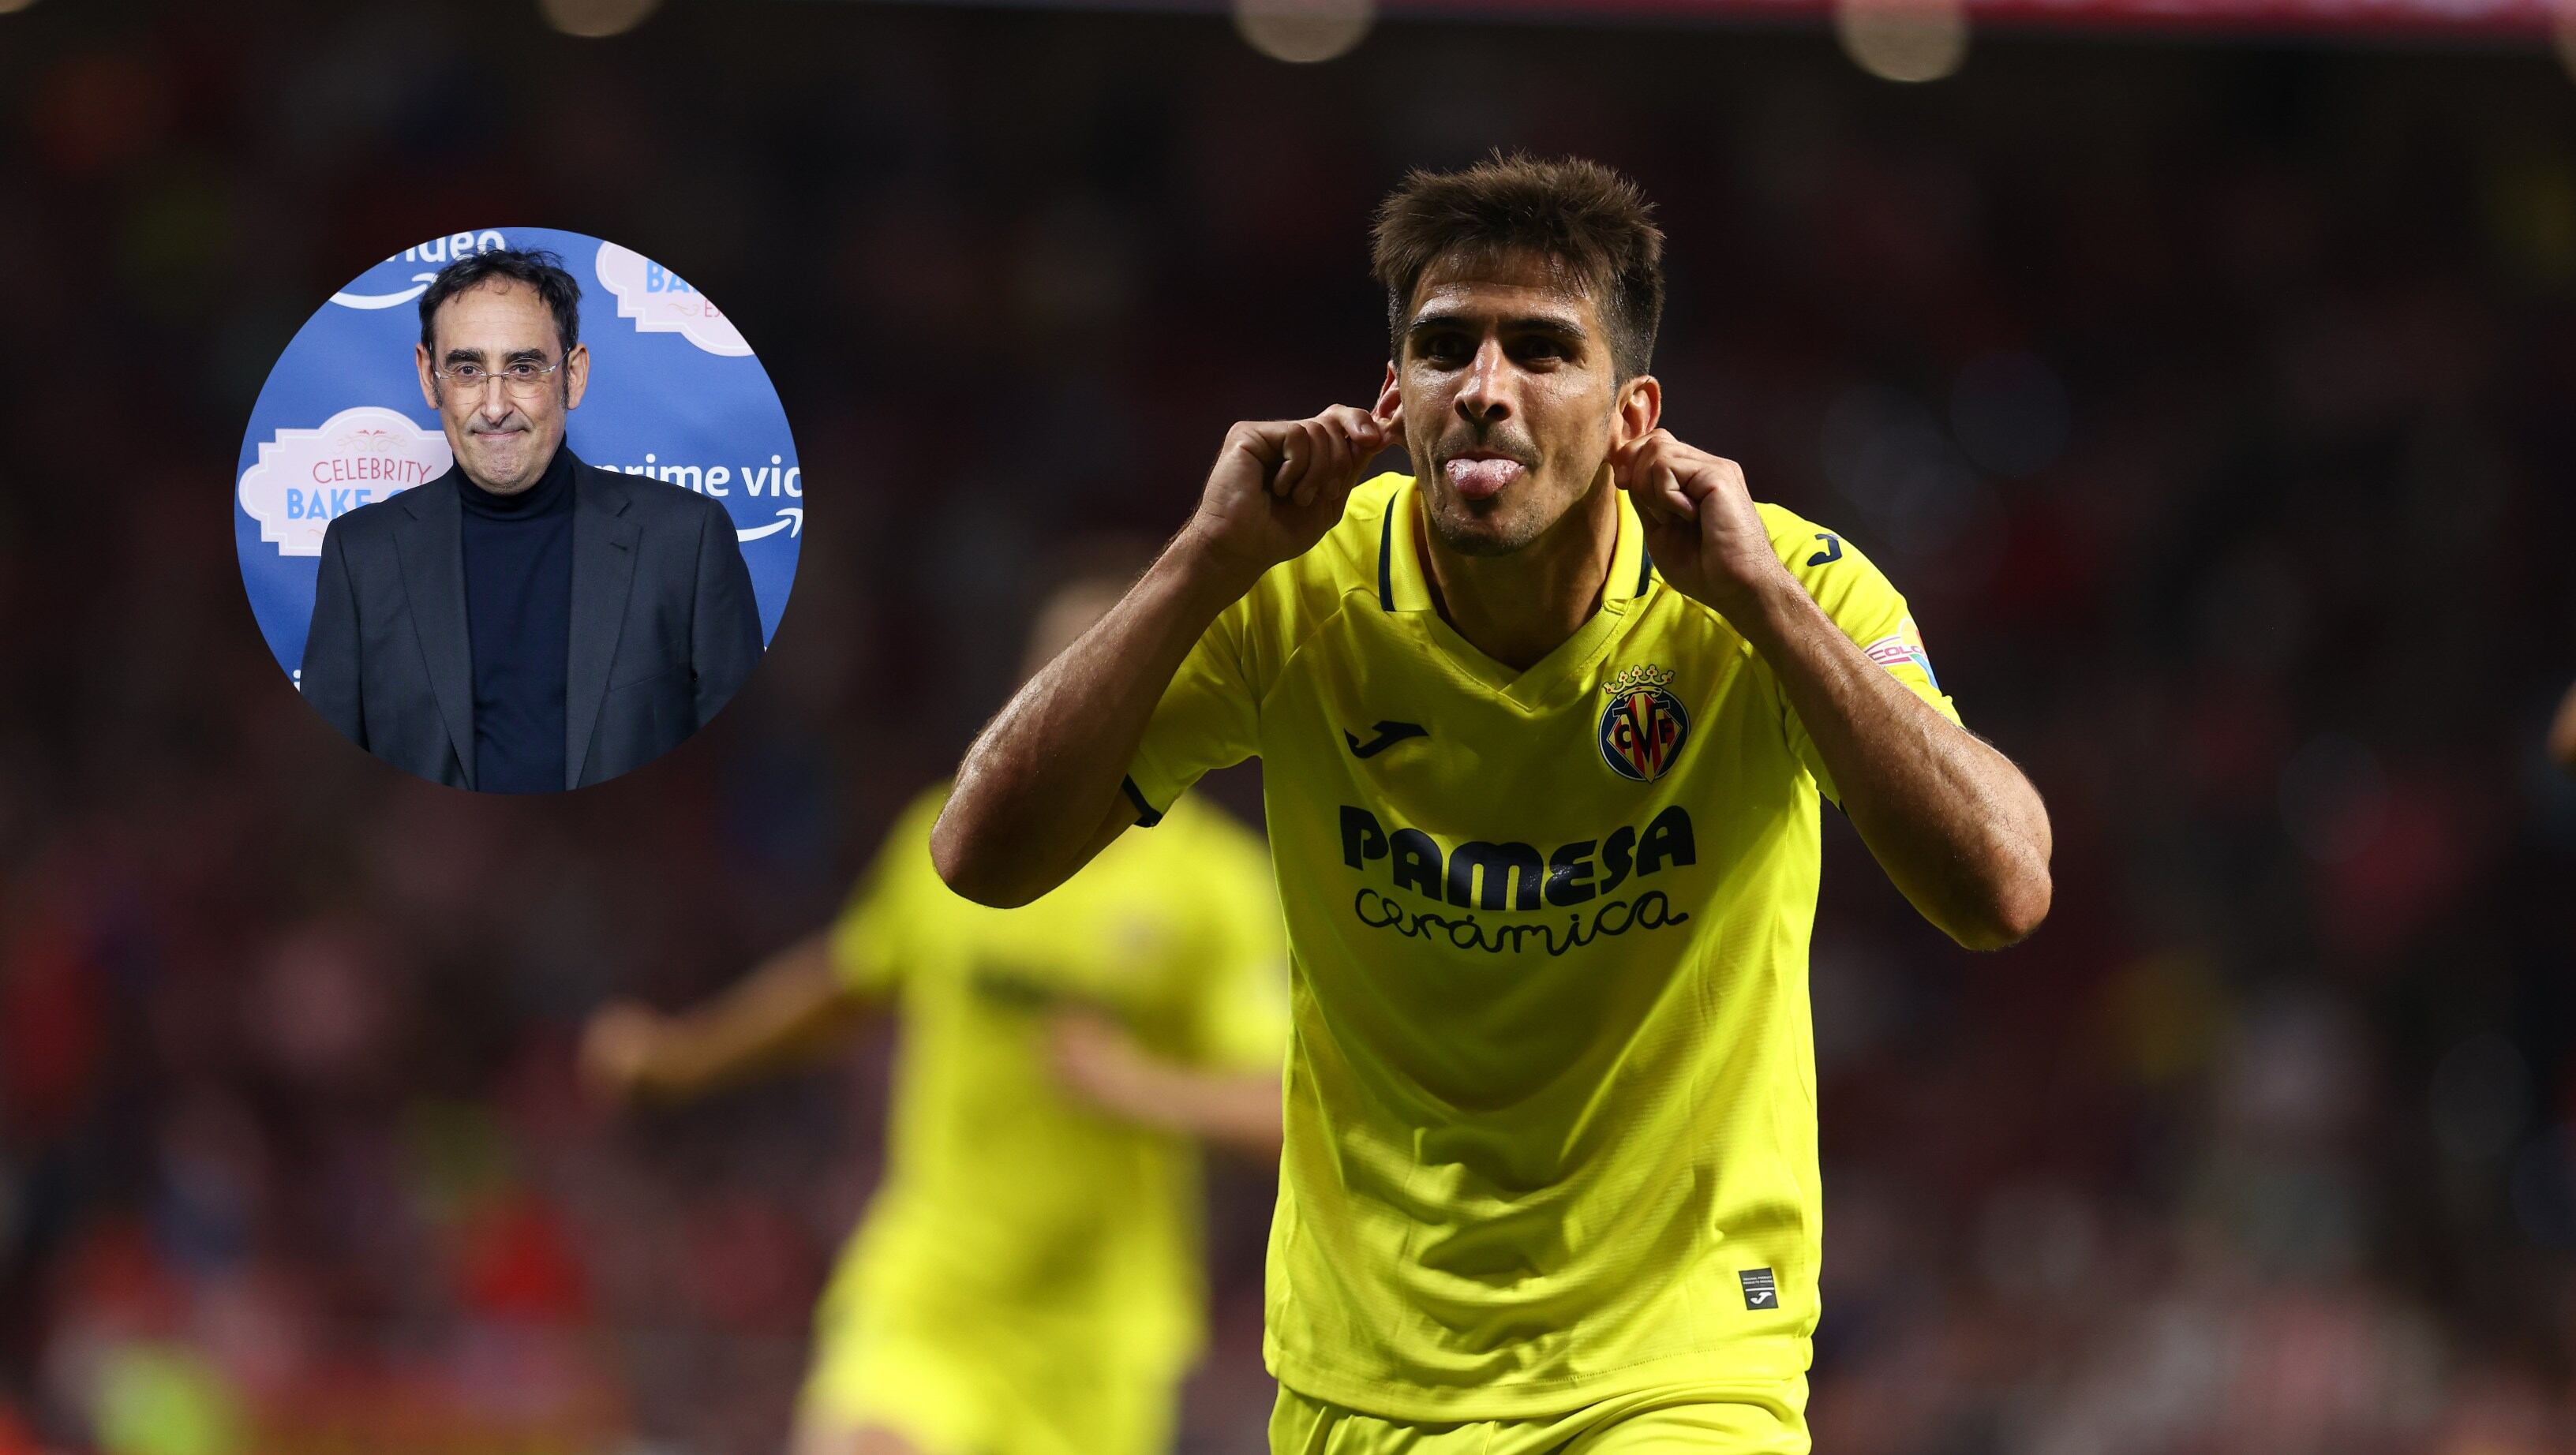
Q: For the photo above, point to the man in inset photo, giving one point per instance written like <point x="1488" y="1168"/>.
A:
<point x="524" y="623"/>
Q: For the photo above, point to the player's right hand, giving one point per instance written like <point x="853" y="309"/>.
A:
<point x="620" y="1049"/>
<point x="1279" y="484"/>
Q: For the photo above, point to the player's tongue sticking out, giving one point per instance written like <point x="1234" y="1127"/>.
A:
<point x="1482" y="479"/>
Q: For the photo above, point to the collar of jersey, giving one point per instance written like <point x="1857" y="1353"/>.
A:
<point x="1404" y="589"/>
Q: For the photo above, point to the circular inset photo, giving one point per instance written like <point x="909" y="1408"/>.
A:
<point x="517" y="510"/>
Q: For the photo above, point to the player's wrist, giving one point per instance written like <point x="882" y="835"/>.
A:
<point x="1731" y="586"/>
<point x="1211" y="568"/>
<point x="1760" y="597"/>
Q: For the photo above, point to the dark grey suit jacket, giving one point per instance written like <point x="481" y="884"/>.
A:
<point x="664" y="628"/>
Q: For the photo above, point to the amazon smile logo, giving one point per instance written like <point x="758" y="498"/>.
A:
<point x="439" y="251"/>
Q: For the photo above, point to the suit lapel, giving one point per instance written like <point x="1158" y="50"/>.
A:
<point x="603" y="569"/>
<point x="432" y="548"/>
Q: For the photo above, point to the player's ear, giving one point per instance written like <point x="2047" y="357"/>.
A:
<point x="1390" y="399"/>
<point x="1640" y="409"/>
<point x="428" y="381"/>
<point x="576" y="375"/>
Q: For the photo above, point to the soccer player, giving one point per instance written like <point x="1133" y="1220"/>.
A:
<point x="1027" y="1279"/>
<point x="1543" y="728"/>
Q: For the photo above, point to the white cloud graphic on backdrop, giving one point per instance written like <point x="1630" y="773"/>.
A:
<point x="307" y="477"/>
<point x="660" y="302"/>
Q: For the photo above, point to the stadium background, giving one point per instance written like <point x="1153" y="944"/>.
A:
<point x="2211" y="398"/>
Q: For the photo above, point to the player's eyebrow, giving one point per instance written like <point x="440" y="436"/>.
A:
<point x="1564" y="330"/>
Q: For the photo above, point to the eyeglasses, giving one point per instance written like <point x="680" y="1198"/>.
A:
<point x="522" y="379"/>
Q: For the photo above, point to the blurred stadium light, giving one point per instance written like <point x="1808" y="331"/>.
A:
<point x="1304" y="31"/>
<point x="2535" y="20"/>
<point x="1903" y="40"/>
<point x="595" y="18"/>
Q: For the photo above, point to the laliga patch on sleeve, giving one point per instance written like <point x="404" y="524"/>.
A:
<point x="1903" y="645"/>
<point x="1760" y="1290"/>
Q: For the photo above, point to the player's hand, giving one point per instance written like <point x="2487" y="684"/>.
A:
<point x="1701" y="527"/>
<point x="1095" y="1058"/>
<point x="621" y="1051"/>
<point x="1279" y="484"/>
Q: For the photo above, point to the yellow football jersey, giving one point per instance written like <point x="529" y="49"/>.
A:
<point x="1551" y="1112"/>
<point x="1007" y="1202"/>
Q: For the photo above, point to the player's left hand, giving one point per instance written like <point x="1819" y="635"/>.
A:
<point x="1701" y="527"/>
<point x="1099" y="1062"/>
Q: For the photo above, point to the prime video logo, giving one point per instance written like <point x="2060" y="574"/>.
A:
<point x="778" y="480"/>
<point x="440" y="250"/>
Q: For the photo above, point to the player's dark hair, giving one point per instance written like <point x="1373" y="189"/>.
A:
<point x="1581" y="213"/>
<point x="535" y="267"/>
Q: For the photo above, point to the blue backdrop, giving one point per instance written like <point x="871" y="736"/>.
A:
<point x="674" y="392"/>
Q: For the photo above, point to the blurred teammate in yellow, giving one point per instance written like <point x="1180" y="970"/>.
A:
<point x="1544" y="730"/>
<point x="1027" y="1279"/>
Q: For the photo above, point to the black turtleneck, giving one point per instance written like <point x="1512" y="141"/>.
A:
<point x="518" y="621"/>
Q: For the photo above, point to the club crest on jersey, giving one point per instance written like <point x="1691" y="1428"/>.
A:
<point x="1643" y="726"/>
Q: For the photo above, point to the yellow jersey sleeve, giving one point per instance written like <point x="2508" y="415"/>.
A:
<point x="1208" y="718"/>
<point x="1865" y="604"/>
<point x="869" y="941"/>
<point x="1210" y="715"/>
<point x="1240" y="1016"/>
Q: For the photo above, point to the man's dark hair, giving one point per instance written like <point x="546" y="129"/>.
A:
<point x="537" y="268"/>
<point x="1580" y="213"/>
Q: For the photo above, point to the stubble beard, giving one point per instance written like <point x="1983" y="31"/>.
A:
<point x="1512" y="526"/>
<point x="525" y="476"/>
<point x="1461" y="532"/>
<point x="527" y="445"/>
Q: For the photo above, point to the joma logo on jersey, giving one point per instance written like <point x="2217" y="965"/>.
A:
<point x="1512" y="875"/>
<point x="1643" y="727"/>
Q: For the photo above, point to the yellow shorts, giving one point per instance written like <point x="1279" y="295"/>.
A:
<point x="1655" y="1422"/>
<point x="953" y="1383"/>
